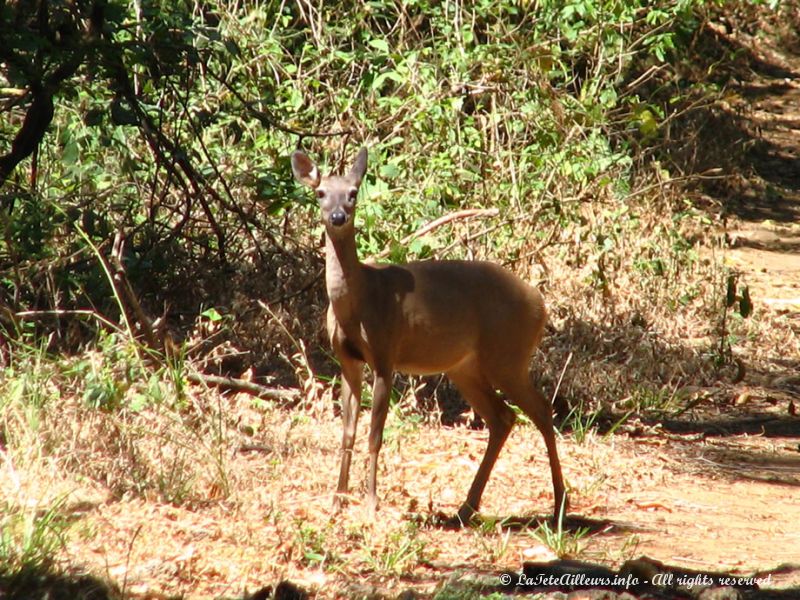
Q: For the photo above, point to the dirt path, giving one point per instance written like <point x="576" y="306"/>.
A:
<point x="765" y="228"/>
<point x="723" y="493"/>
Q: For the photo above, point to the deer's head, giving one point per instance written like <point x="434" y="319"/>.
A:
<point x="336" y="193"/>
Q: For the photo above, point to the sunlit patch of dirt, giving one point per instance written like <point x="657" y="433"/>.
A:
<point x="722" y="503"/>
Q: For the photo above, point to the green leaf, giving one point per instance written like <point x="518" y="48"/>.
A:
<point x="380" y="44"/>
<point x="71" y="152"/>
<point x="390" y="170"/>
<point x="648" y="125"/>
<point x="212" y="315"/>
<point x="380" y="79"/>
<point x="138" y="402"/>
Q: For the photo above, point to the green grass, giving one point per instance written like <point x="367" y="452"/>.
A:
<point x="31" y="537"/>
<point x="400" y="552"/>
<point x="565" y="543"/>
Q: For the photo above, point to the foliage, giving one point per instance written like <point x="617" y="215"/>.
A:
<point x="565" y="543"/>
<point x="174" y="126"/>
<point x="399" y="553"/>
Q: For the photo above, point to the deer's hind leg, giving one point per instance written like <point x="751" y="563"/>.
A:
<point x="499" y="419"/>
<point x="521" y="391"/>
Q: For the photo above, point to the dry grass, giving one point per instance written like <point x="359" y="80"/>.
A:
<point x="275" y="520"/>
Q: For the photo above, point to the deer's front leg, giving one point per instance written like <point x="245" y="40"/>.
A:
<point x="352" y="374"/>
<point x="380" y="408"/>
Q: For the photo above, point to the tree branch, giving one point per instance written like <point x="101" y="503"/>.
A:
<point x="248" y="387"/>
<point x="443" y="220"/>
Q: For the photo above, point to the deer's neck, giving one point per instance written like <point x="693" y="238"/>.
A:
<point x="343" y="277"/>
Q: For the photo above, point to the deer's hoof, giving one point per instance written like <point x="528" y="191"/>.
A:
<point x="465" y="516"/>
<point x="339" y="502"/>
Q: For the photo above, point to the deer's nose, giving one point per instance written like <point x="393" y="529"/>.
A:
<point x="338" y="218"/>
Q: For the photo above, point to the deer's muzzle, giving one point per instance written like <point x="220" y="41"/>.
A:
<point x="338" y="218"/>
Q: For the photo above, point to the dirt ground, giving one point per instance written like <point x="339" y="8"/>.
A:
<point x="705" y="501"/>
<point x="728" y="500"/>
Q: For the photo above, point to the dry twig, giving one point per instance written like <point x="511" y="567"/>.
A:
<point x="241" y="385"/>
<point x="443" y="220"/>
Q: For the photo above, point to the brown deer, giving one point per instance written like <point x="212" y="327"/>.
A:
<point x="474" y="321"/>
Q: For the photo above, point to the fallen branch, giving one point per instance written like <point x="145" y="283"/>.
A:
<point x="240" y="385"/>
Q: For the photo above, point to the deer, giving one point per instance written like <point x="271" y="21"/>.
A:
<point x="474" y="321"/>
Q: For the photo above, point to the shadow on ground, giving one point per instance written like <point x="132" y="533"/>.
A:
<point x="44" y="584"/>
<point x="569" y="523"/>
<point x="752" y="134"/>
<point x="642" y="578"/>
<point x="764" y="424"/>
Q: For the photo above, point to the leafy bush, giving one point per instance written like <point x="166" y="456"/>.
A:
<point x="171" y="130"/>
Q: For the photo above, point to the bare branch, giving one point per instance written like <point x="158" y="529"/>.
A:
<point x="443" y="220"/>
<point x="240" y="385"/>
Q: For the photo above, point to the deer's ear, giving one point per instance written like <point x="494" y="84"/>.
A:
<point x="304" y="169"/>
<point x="359" y="167"/>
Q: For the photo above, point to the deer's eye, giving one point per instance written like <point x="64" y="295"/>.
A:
<point x="320" y="194"/>
<point x="352" y="195"/>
